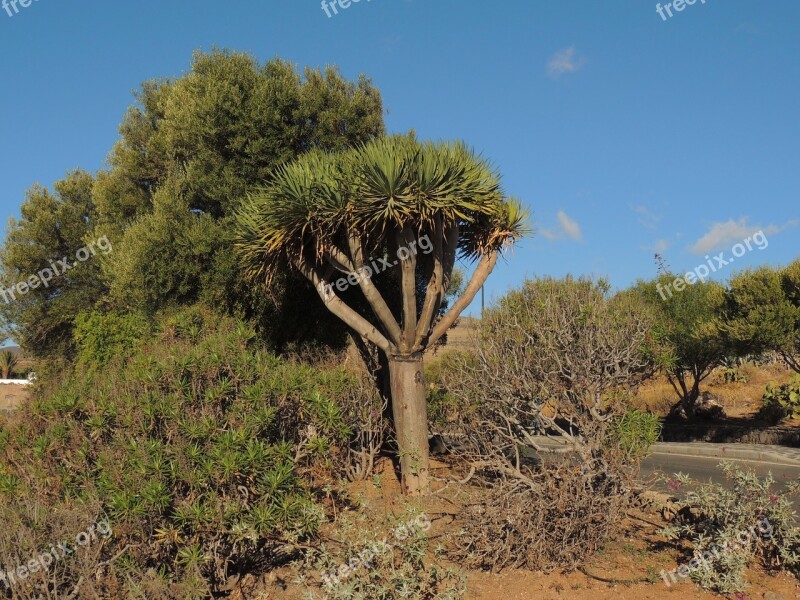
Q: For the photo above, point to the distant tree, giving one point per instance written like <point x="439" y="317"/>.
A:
<point x="762" y="312"/>
<point x="53" y="226"/>
<point x="7" y="363"/>
<point x="689" y="324"/>
<point x="790" y="281"/>
<point x="334" y="215"/>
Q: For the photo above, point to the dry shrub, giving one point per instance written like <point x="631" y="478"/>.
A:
<point x="373" y="555"/>
<point x="557" y="523"/>
<point x="30" y="532"/>
<point x="364" y="410"/>
<point x="554" y="368"/>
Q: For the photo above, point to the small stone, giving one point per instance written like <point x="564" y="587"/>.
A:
<point x="772" y="596"/>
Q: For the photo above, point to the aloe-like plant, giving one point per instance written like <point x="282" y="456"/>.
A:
<point x="327" y="215"/>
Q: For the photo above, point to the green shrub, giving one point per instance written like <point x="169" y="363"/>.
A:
<point x="731" y="529"/>
<point x="780" y="402"/>
<point x="634" y="432"/>
<point x="732" y="368"/>
<point x="205" y="451"/>
<point x="101" y="336"/>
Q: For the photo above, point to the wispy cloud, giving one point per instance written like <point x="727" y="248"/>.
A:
<point x="565" y="61"/>
<point x="724" y="234"/>
<point x="646" y="217"/>
<point x="657" y="247"/>
<point x="567" y="228"/>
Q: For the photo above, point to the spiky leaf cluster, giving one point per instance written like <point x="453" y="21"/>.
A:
<point x="376" y="190"/>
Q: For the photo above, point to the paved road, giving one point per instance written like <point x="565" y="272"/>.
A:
<point x="701" y="461"/>
<point x="703" y="468"/>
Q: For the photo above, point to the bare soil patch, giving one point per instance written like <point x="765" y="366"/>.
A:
<point x="628" y="568"/>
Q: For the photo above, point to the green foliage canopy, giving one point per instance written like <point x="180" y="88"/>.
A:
<point x="688" y="323"/>
<point x="53" y="225"/>
<point x="761" y="312"/>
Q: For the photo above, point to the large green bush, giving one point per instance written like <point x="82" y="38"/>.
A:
<point x="200" y="448"/>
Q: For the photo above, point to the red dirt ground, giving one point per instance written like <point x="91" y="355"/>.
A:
<point x="636" y="557"/>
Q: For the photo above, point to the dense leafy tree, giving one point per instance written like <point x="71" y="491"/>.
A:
<point x="328" y="215"/>
<point x="226" y="125"/>
<point x="688" y="323"/>
<point x="166" y="259"/>
<point x="190" y="151"/>
<point x="53" y="226"/>
<point x="762" y="312"/>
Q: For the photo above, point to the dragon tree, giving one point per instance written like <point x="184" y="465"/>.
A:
<point x="330" y="215"/>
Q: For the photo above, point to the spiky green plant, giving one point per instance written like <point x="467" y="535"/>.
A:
<point x="201" y="450"/>
<point x="8" y="361"/>
<point x="328" y="215"/>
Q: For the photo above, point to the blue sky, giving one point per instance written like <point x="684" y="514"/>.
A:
<point x="624" y="133"/>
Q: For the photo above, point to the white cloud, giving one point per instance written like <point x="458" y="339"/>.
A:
<point x="567" y="228"/>
<point x="565" y="61"/>
<point x="657" y="247"/>
<point x="647" y="218"/>
<point x="725" y="234"/>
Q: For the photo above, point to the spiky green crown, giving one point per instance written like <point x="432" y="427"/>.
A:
<point x="376" y="190"/>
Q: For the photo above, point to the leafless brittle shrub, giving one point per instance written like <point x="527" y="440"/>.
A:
<point x="39" y="557"/>
<point x="553" y="367"/>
